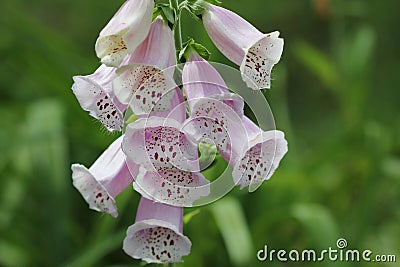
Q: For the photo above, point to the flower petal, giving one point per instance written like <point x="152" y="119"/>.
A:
<point x="156" y="236"/>
<point x="156" y="241"/>
<point x="172" y="186"/>
<point x="259" y="60"/>
<point x="94" y="95"/>
<point x="105" y="179"/>
<point x="230" y="33"/>
<point x="260" y="160"/>
<point x="200" y="79"/>
<point x="159" y="142"/>
<point x="243" y="44"/>
<point x="217" y="120"/>
<point x="158" y="49"/>
<point x="145" y="88"/>
<point x="125" y="31"/>
<point x="92" y="191"/>
<point x="147" y="78"/>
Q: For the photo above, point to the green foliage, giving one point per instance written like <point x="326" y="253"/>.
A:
<point x="191" y="46"/>
<point x="334" y="93"/>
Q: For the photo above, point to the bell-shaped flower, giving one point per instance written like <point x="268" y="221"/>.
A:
<point x="256" y="53"/>
<point x="94" y="93"/>
<point x="214" y="110"/>
<point x="170" y="171"/>
<point x="201" y="80"/>
<point x="253" y="153"/>
<point x="124" y="32"/>
<point x="258" y="160"/>
<point x="147" y="74"/>
<point x="109" y="175"/>
<point x="157" y="235"/>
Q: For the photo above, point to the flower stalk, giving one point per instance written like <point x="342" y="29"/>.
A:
<point x="174" y="4"/>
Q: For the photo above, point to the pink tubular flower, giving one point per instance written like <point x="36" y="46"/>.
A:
<point x="214" y="111"/>
<point x="170" y="168"/>
<point x="157" y="235"/>
<point x="256" y="53"/>
<point x="124" y="32"/>
<point x="94" y="93"/>
<point x="253" y="153"/>
<point x="257" y="161"/>
<point x="169" y="159"/>
<point x="105" y="179"/>
<point x="148" y="73"/>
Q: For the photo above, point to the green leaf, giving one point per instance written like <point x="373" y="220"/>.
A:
<point x="168" y="13"/>
<point x="231" y="222"/>
<point x="191" y="46"/>
<point x="165" y="11"/>
<point x="202" y="51"/>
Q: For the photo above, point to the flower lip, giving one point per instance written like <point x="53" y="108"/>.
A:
<point x="144" y="88"/>
<point x="95" y="95"/>
<point x="156" y="236"/>
<point x="105" y="179"/>
<point x="256" y="53"/>
<point x="172" y="186"/>
<point x="159" y="142"/>
<point x="156" y="241"/>
<point x="259" y="59"/>
<point x="258" y="162"/>
<point x="95" y="194"/>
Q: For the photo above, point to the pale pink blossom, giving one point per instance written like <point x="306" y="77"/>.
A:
<point x="94" y="93"/>
<point x="124" y="32"/>
<point x="109" y="175"/>
<point x="256" y="53"/>
<point x="169" y="171"/>
<point x="157" y="234"/>
<point x="146" y="76"/>
<point x="253" y="153"/>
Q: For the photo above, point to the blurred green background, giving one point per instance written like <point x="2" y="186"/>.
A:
<point x="335" y="94"/>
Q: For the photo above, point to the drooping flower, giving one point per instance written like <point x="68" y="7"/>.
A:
<point x="124" y="32"/>
<point x="169" y="170"/>
<point x="214" y="110"/>
<point x="157" y="235"/>
<point x="197" y="87"/>
<point x="170" y="167"/>
<point x="109" y="175"/>
<point x="256" y="53"/>
<point x="94" y="93"/>
<point x="147" y="76"/>
<point x="253" y="153"/>
<point x="258" y="160"/>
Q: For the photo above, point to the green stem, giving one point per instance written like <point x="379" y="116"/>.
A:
<point x="177" y="27"/>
